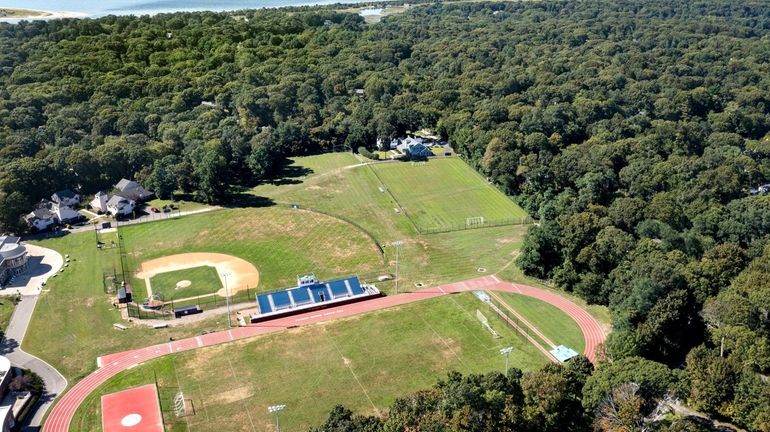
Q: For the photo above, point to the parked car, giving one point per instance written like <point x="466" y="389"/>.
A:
<point x="154" y="210"/>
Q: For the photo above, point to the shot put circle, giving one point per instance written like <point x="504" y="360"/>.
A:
<point x="183" y="284"/>
<point x="131" y="420"/>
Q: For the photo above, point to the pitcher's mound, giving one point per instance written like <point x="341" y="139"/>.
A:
<point x="183" y="284"/>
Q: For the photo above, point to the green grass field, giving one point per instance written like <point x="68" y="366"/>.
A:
<point x="355" y="217"/>
<point x="553" y="323"/>
<point x="444" y="192"/>
<point x="7" y="306"/>
<point x="364" y="363"/>
<point x="280" y="242"/>
<point x="204" y="280"/>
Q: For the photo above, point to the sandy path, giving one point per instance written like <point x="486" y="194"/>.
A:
<point x="241" y="274"/>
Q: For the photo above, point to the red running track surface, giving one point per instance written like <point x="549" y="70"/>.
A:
<point x="132" y="410"/>
<point x="109" y="365"/>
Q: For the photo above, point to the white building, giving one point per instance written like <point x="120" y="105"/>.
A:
<point x="40" y="218"/>
<point x="132" y="191"/>
<point x="99" y="203"/>
<point x="66" y="197"/>
<point x="120" y="206"/>
<point x="13" y="258"/>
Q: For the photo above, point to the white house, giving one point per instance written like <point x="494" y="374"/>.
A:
<point x="66" y="197"/>
<point x="64" y="213"/>
<point x="99" y="203"/>
<point x="132" y="191"/>
<point x="118" y="205"/>
<point x="40" y="218"/>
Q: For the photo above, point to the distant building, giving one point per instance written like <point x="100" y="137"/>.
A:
<point x="13" y="258"/>
<point x="66" y="197"/>
<point x="132" y="191"/>
<point x="99" y="203"/>
<point x="120" y="206"/>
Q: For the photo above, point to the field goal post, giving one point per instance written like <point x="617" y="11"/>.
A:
<point x="485" y="323"/>
<point x="182" y="407"/>
<point x="475" y="221"/>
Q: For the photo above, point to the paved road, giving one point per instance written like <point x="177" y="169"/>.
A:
<point x="55" y="383"/>
<point x="110" y="365"/>
<point x="153" y="217"/>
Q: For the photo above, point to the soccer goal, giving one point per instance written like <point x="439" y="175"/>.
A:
<point x="474" y="221"/>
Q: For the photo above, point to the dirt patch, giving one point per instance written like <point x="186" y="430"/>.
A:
<point x="242" y="274"/>
<point x="234" y="395"/>
<point x="183" y="284"/>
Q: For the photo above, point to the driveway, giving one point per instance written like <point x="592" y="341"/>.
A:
<point x="43" y="263"/>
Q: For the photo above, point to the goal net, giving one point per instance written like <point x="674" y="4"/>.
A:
<point x="474" y="221"/>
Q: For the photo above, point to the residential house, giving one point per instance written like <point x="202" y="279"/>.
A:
<point x="99" y="203"/>
<point x="64" y="214"/>
<point x="414" y="148"/>
<point x="132" y="191"/>
<point x="66" y="197"/>
<point x="40" y="218"/>
<point x="120" y="206"/>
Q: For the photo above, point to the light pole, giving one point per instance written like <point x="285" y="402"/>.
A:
<point x="397" y="244"/>
<point x="506" y="352"/>
<point x="275" y="409"/>
<point x="227" y="297"/>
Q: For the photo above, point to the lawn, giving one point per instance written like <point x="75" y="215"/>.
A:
<point x="279" y="241"/>
<point x="552" y="322"/>
<point x="363" y="362"/>
<point x="203" y="280"/>
<point x="7" y="306"/>
<point x="444" y="193"/>
<point x="184" y="206"/>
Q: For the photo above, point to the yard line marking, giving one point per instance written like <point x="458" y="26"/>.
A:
<point x="199" y="340"/>
<point x="170" y="347"/>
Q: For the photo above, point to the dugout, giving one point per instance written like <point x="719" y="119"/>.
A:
<point x="187" y="310"/>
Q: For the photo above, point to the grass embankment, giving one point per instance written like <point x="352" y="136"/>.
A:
<point x="364" y="363"/>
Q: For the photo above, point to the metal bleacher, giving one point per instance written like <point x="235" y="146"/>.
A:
<point x="311" y="293"/>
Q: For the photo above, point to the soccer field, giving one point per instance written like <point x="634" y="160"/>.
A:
<point x="444" y="193"/>
<point x="363" y="362"/>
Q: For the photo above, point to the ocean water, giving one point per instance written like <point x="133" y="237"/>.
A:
<point x="96" y="8"/>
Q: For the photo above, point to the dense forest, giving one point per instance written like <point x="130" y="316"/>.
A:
<point x="636" y="132"/>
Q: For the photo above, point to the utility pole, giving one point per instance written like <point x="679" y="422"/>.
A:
<point x="227" y="298"/>
<point x="506" y="352"/>
<point x="397" y="244"/>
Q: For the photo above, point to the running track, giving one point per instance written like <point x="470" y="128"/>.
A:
<point x="109" y="365"/>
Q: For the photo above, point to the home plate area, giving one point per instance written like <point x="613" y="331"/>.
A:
<point x="135" y="410"/>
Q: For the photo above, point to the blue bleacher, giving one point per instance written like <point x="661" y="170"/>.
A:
<point x="317" y="290"/>
<point x="264" y="304"/>
<point x="281" y="299"/>
<point x="308" y="295"/>
<point x="355" y="285"/>
<point x="338" y="288"/>
<point x="301" y="296"/>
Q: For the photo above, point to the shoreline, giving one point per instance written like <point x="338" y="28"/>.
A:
<point x="38" y="14"/>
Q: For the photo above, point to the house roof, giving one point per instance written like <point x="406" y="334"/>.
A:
<point x="39" y="213"/>
<point x="66" y="193"/>
<point x="116" y="200"/>
<point x="124" y="184"/>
